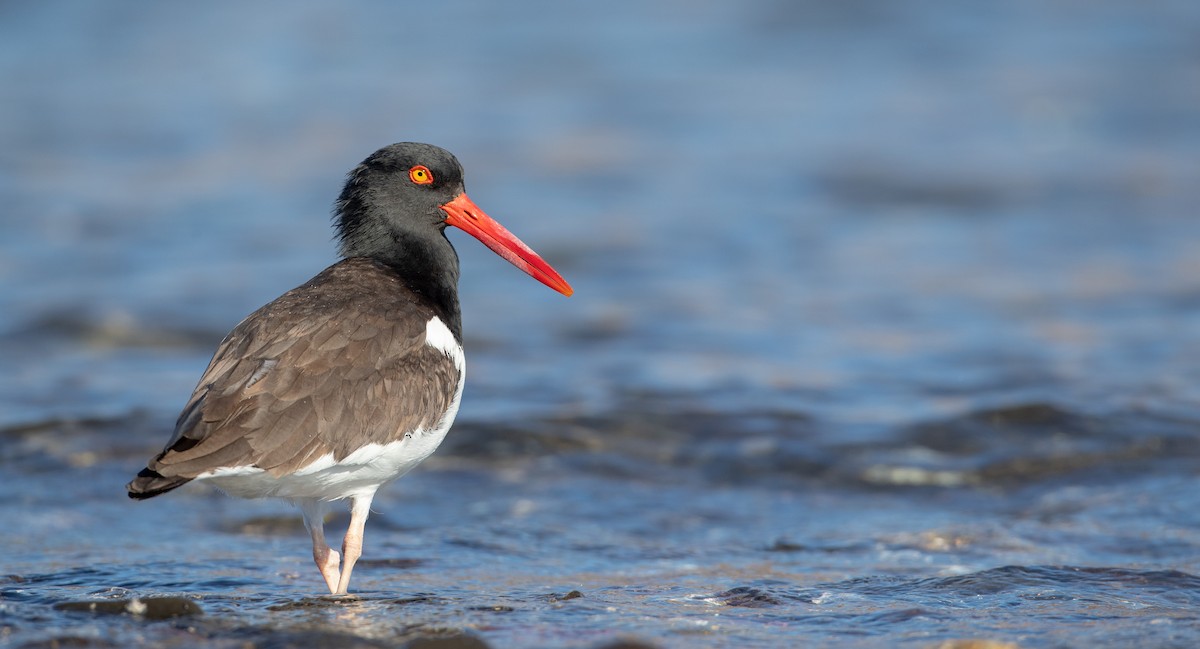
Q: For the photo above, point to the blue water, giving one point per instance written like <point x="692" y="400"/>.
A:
<point x="886" y="328"/>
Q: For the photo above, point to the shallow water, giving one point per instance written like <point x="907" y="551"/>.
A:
<point x="886" y="326"/>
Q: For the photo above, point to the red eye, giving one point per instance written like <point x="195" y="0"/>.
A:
<point x="420" y="174"/>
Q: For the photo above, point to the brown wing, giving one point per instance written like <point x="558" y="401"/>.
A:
<point x="328" y="367"/>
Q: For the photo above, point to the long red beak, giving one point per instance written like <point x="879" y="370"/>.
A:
<point x="464" y="214"/>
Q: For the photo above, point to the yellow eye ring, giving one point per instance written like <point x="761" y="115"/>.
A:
<point x="420" y="175"/>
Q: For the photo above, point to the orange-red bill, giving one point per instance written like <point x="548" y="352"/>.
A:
<point x="465" y="215"/>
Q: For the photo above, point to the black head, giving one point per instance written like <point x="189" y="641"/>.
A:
<point x="395" y="209"/>
<point x="396" y="193"/>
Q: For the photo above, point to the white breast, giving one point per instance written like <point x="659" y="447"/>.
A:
<point x="366" y="469"/>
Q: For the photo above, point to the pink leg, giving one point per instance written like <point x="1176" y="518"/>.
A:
<point x="325" y="557"/>
<point x="360" y="508"/>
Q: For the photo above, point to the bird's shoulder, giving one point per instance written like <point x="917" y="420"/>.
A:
<point x="354" y="313"/>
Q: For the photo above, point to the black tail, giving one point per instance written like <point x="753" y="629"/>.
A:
<point x="150" y="483"/>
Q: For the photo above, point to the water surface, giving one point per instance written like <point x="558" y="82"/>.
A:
<point x="886" y="327"/>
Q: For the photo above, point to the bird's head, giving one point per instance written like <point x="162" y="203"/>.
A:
<point x="410" y="191"/>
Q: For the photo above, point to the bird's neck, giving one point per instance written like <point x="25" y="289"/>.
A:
<point x="428" y="266"/>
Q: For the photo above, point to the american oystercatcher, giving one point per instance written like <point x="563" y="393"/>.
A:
<point x="347" y="382"/>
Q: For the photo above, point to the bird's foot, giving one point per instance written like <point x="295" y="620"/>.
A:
<point x="329" y="564"/>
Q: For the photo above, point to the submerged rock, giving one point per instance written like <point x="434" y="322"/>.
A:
<point x="457" y="641"/>
<point x="745" y="596"/>
<point x="151" y="608"/>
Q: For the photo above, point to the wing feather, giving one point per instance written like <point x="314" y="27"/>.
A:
<point x="322" y="370"/>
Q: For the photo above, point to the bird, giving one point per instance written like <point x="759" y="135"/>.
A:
<point x="347" y="382"/>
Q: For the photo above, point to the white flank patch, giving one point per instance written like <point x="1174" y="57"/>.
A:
<point x="362" y="472"/>
<point x="438" y="336"/>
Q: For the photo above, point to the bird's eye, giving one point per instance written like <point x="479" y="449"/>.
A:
<point x="420" y="175"/>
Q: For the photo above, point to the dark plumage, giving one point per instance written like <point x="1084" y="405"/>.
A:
<point x="348" y="381"/>
<point x="351" y="369"/>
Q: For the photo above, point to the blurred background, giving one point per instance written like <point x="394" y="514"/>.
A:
<point x="863" y="289"/>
